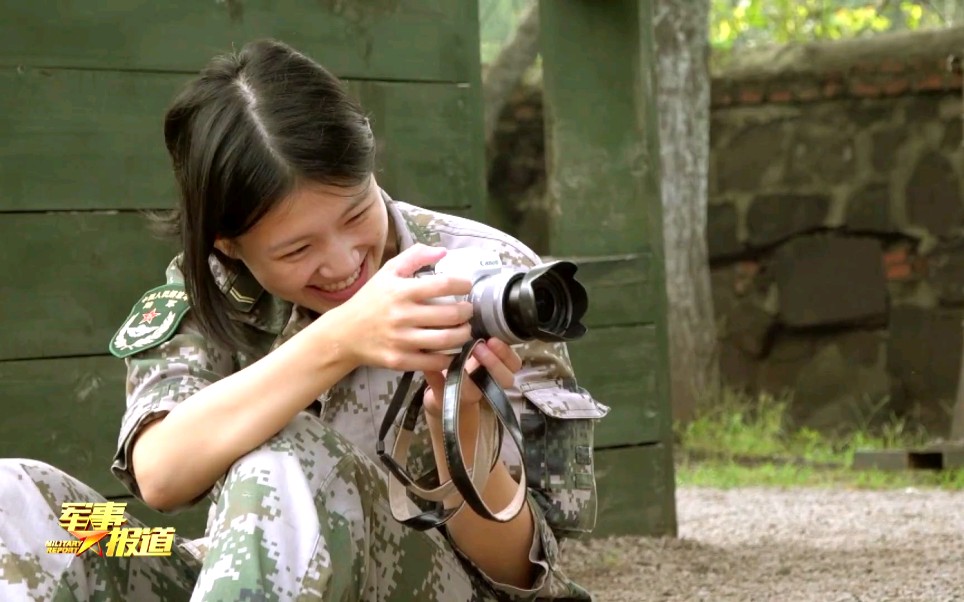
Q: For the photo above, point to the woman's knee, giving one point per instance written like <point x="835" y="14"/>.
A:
<point x="308" y="474"/>
<point x="298" y="497"/>
<point x="306" y="449"/>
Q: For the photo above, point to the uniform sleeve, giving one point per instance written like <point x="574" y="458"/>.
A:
<point x="158" y="379"/>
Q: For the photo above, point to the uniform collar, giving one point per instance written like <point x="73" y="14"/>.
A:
<point x="252" y="305"/>
<point x="412" y="224"/>
<point x="237" y="284"/>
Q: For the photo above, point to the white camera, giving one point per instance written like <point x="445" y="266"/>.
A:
<point x="516" y="304"/>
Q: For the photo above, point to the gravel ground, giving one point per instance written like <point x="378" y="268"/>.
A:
<point x="787" y="545"/>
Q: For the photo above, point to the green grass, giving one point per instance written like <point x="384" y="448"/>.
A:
<point x="742" y="440"/>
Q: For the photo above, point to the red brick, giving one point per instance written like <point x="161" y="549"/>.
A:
<point x="832" y="89"/>
<point x="895" y="87"/>
<point x="931" y="81"/>
<point x="891" y="65"/>
<point x="751" y="96"/>
<point x="901" y="264"/>
<point x="895" y="256"/>
<point x="899" y="271"/>
<point x="748" y="268"/>
<point x="865" y="67"/>
<point x="780" y="96"/>
<point x="745" y="272"/>
<point x="864" y="89"/>
<point x="809" y="93"/>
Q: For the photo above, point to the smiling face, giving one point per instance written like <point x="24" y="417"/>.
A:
<point x="318" y="246"/>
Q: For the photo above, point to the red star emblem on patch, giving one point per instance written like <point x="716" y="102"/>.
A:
<point x="149" y="316"/>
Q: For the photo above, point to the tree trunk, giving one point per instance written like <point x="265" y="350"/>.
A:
<point x="506" y="71"/>
<point x="957" y="415"/>
<point x="957" y="421"/>
<point x="683" y="99"/>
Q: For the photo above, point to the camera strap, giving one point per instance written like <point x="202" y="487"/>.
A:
<point x="486" y="454"/>
<point x="499" y="403"/>
<point x="466" y="485"/>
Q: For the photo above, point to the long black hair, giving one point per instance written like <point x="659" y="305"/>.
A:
<point x="242" y="135"/>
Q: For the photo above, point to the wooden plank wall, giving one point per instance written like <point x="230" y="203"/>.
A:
<point x="83" y="89"/>
<point x="603" y="161"/>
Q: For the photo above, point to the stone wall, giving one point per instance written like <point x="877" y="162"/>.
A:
<point x="836" y="231"/>
<point x="836" y="223"/>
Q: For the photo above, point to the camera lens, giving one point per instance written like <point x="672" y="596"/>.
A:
<point x="541" y="304"/>
<point x="545" y="303"/>
<point x="552" y="303"/>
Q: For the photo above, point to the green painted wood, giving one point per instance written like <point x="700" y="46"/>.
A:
<point x="431" y="141"/>
<point x="87" y="270"/>
<point x="72" y="408"/>
<point x="84" y="271"/>
<point x="422" y="40"/>
<point x="622" y="289"/>
<point x="618" y="366"/>
<point x="602" y="155"/>
<point x="93" y="140"/>
<point x="601" y="127"/>
<point x="84" y="140"/>
<point x="189" y="522"/>
<point x="636" y="491"/>
<point x="65" y="412"/>
<point x="71" y="279"/>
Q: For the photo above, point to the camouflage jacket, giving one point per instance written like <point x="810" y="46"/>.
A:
<point x="557" y="416"/>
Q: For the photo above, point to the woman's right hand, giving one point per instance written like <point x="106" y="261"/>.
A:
<point x="390" y="323"/>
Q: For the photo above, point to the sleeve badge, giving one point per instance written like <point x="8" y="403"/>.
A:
<point x="153" y="320"/>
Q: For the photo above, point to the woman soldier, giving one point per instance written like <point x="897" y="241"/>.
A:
<point x="259" y="373"/>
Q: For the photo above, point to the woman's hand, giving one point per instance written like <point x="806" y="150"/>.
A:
<point x="495" y="355"/>
<point x="390" y="323"/>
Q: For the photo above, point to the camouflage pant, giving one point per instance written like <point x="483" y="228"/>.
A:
<point x="303" y="517"/>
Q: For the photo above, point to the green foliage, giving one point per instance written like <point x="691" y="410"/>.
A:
<point x="497" y="21"/>
<point x="737" y="425"/>
<point x="744" y="23"/>
<point x="741" y="440"/>
<point x="771" y="474"/>
<point x="738" y="24"/>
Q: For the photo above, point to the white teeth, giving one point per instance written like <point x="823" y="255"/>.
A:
<point x="334" y="288"/>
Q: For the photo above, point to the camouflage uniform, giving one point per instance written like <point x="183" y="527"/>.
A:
<point x="305" y="515"/>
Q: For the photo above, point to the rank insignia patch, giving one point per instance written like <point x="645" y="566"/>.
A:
<point x="153" y="320"/>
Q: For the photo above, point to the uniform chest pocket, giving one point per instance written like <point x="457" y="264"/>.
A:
<point x="557" y="421"/>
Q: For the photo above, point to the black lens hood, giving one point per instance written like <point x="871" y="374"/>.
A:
<point x="566" y="271"/>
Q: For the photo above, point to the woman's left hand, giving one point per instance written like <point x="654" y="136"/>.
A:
<point x="495" y="355"/>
